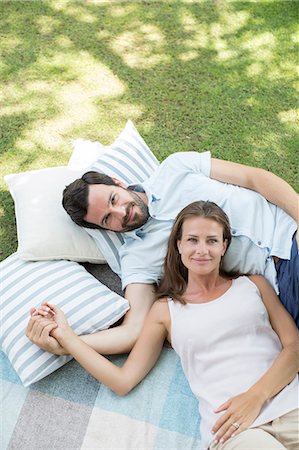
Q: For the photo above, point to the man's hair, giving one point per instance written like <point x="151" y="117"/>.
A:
<point x="175" y="277"/>
<point x="75" y="196"/>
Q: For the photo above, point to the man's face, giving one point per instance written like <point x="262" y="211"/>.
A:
<point x="116" y="208"/>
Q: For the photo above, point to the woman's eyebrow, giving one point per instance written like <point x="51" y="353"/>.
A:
<point x="196" y="235"/>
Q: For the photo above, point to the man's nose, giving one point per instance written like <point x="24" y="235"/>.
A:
<point x="119" y="211"/>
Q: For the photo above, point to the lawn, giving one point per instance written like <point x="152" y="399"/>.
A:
<point x="192" y="75"/>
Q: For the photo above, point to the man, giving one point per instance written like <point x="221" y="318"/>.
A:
<point x="262" y="233"/>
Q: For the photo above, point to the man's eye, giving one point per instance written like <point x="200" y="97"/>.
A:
<point x="106" y="218"/>
<point x="212" y="241"/>
<point x="113" y="199"/>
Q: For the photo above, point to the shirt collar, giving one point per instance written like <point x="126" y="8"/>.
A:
<point x="136" y="188"/>
<point x="139" y="188"/>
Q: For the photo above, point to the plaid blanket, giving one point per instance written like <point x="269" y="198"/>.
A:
<point x="70" y="410"/>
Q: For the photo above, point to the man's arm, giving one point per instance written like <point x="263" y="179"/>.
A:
<point x="121" y="339"/>
<point x="116" y="340"/>
<point x="270" y="186"/>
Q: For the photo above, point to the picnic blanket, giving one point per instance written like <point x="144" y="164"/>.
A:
<point x="71" y="410"/>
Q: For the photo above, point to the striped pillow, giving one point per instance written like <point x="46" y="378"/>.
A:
<point x="88" y="305"/>
<point x="130" y="160"/>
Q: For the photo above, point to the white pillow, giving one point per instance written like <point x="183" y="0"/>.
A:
<point x="130" y="160"/>
<point x="88" y="305"/>
<point x="84" y="154"/>
<point x="45" y="231"/>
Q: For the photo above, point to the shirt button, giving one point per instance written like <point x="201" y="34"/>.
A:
<point x="259" y="242"/>
<point x="154" y="215"/>
<point x="233" y="231"/>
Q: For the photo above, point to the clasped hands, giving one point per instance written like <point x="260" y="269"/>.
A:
<point x="46" y="326"/>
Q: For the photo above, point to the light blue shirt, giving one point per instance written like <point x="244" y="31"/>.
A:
<point x="259" y="228"/>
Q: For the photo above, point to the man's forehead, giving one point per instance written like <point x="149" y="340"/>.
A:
<point x="98" y="196"/>
<point x="100" y="190"/>
<point x="98" y="201"/>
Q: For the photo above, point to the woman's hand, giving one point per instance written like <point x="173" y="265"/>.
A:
<point x="240" y="413"/>
<point x="55" y="315"/>
<point x="39" y="332"/>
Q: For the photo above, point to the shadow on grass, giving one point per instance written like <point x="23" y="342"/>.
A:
<point x="11" y="128"/>
<point x="207" y="75"/>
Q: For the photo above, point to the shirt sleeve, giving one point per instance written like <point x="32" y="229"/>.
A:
<point x="142" y="258"/>
<point x="136" y="268"/>
<point x="190" y="162"/>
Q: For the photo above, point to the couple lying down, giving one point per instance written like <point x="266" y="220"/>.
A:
<point x="237" y="343"/>
<point x="263" y="213"/>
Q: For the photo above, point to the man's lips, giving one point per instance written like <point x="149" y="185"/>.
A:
<point x="128" y="216"/>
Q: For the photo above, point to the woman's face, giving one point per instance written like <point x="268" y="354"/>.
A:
<point x="202" y="246"/>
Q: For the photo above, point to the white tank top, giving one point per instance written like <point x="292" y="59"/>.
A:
<point x="225" y="346"/>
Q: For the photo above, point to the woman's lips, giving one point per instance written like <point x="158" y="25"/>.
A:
<point x="201" y="260"/>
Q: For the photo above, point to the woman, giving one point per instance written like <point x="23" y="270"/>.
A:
<point x="237" y="344"/>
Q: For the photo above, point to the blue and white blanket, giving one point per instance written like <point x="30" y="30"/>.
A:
<point x="70" y="410"/>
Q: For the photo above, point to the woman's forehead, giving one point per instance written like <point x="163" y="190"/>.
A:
<point x="201" y="224"/>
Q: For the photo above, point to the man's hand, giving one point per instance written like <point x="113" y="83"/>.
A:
<point x="62" y="329"/>
<point x="240" y="413"/>
<point x="38" y="331"/>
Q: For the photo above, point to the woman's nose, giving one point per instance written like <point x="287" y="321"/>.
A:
<point x="201" y="248"/>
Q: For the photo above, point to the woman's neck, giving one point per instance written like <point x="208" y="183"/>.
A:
<point x="204" y="288"/>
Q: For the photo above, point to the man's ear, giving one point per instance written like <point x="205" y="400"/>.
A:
<point x="119" y="183"/>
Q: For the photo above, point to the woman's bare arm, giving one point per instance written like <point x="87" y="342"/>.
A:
<point x="140" y="361"/>
<point x="245" y="407"/>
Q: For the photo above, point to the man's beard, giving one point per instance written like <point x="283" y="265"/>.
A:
<point x="140" y="218"/>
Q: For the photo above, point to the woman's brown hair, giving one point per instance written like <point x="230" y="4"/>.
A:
<point x="175" y="277"/>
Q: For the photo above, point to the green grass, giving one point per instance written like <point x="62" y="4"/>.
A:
<point x="192" y="75"/>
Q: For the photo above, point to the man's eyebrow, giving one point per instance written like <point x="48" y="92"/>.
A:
<point x="108" y="203"/>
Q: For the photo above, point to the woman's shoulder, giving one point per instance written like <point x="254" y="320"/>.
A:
<point x="247" y="277"/>
<point x="259" y="281"/>
<point x="163" y="300"/>
<point x="244" y="281"/>
<point x="159" y="311"/>
<point x="160" y="307"/>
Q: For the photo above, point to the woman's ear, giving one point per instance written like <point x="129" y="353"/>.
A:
<point x="119" y="183"/>
<point x="224" y="247"/>
<point x="178" y="244"/>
